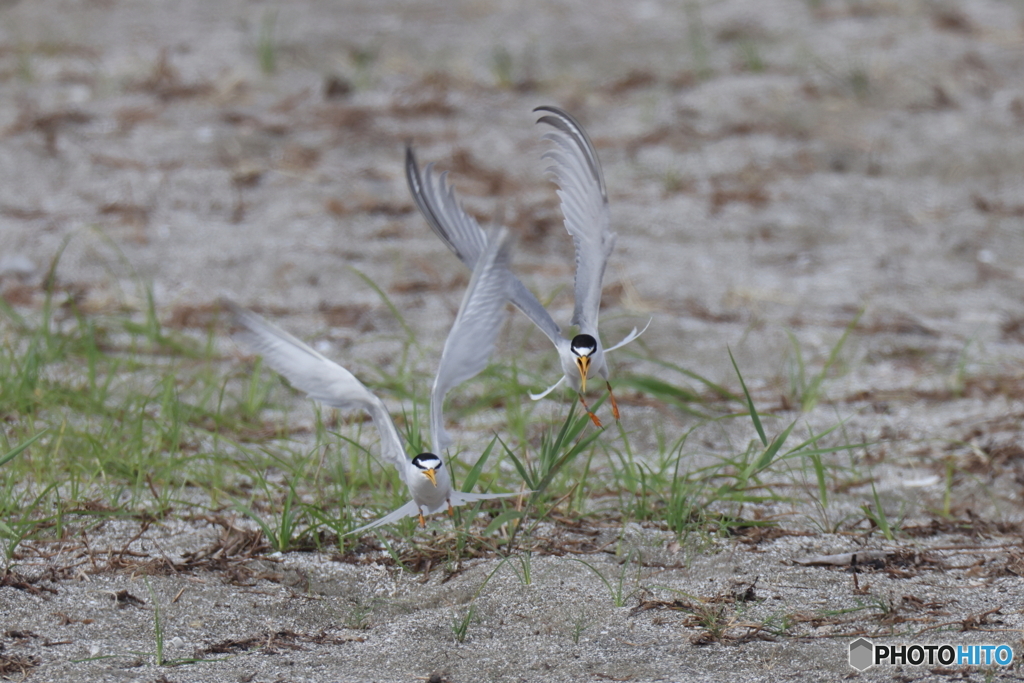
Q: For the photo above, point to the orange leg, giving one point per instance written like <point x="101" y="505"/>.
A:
<point x="451" y="510"/>
<point x="423" y="520"/>
<point x="597" y="422"/>
<point x="615" y="406"/>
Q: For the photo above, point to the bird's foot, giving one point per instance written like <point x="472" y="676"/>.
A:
<point x="593" y="417"/>
<point x="451" y="510"/>
<point x="423" y="520"/>
<point x="615" y="406"/>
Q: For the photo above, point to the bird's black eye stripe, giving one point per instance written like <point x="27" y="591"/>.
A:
<point x="583" y="345"/>
<point x="427" y="461"/>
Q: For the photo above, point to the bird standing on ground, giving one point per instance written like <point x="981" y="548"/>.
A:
<point x="466" y="352"/>
<point x="584" y="202"/>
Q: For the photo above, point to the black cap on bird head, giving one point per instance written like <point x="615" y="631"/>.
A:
<point x="583" y="347"/>
<point x="428" y="464"/>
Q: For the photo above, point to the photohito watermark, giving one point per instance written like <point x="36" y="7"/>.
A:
<point x="865" y="654"/>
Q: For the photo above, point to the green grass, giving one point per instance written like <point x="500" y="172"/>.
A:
<point x="579" y="625"/>
<point x="750" y="55"/>
<point x="460" y="624"/>
<point x="113" y="415"/>
<point x="266" y="46"/>
<point x="807" y="392"/>
<point x="617" y="585"/>
<point x="697" y="40"/>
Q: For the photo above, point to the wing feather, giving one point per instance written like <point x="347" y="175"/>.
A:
<point x="471" y="340"/>
<point x="322" y="379"/>
<point x="463" y="235"/>
<point x="444" y="214"/>
<point x="584" y="199"/>
<point x="410" y="509"/>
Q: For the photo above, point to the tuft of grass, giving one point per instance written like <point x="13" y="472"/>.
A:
<point x="526" y="565"/>
<point x="410" y="335"/>
<point x="266" y="47"/>
<point x="750" y="55"/>
<point x="875" y="512"/>
<point x="807" y="393"/>
<point x="501" y="67"/>
<point x="709" y="498"/>
<point x="158" y="625"/>
<point x="579" y="625"/>
<point x="513" y="71"/>
<point x="947" y="492"/>
<point x="859" y="82"/>
<point x="359" y="616"/>
<point x="24" y="68"/>
<point x="114" y="412"/>
<point x="697" y="38"/>
<point x="460" y="624"/>
<point x="958" y="381"/>
<point x="363" y="59"/>
<point x="714" y="618"/>
<point x="281" y="526"/>
<point x="19" y="449"/>
<point x="557" y="451"/>
<point x="22" y="520"/>
<point x="853" y="79"/>
<point x="750" y="401"/>
<point x="617" y="587"/>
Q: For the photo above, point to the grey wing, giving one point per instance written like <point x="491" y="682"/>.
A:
<point x="471" y="340"/>
<point x="410" y="509"/>
<point x="463" y="235"/>
<point x="322" y="379"/>
<point x="525" y="301"/>
<point x="584" y="199"/>
<point x="436" y="201"/>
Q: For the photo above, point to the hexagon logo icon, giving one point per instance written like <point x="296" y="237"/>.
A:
<point x="862" y="654"/>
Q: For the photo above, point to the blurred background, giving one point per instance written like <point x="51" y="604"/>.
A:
<point x="774" y="167"/>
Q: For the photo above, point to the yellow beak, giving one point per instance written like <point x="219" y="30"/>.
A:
<point x="583" y="363"/>
<point x="429" y="474"/>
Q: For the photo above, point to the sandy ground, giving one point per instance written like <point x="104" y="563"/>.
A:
<point x="772" y="166"/>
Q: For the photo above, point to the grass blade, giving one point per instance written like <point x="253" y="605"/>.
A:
<point x="878" y="516"/>
<point x="527" y="477"/>
<point x="567" y="457"/>
<point x="501" y="520"/>
<point x="769" y="453"/>
<point x="474" y="473"/>
<point x="718" y="389"/>
<point x="819" y="474"/>
<point x="410" y="335"/>
<point x="664" y="392"/>
<point x="750" y="402"/>
<point x="7" y="457"/>
<point x="810" y="395"/>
